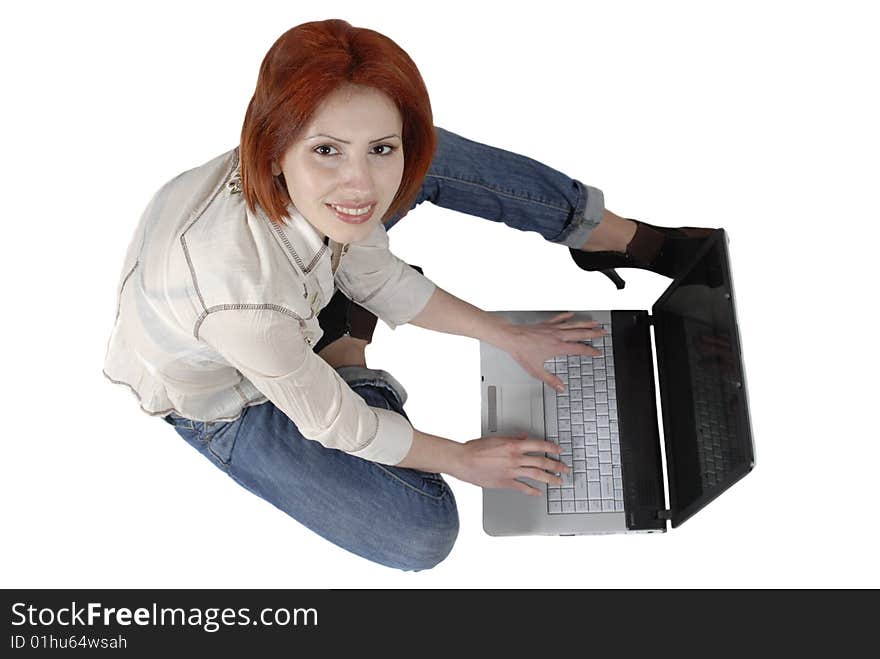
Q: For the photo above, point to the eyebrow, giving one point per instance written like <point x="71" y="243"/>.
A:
<point x="344" y="142"/>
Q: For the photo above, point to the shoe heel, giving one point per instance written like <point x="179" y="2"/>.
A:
<point x="614" y="277"/>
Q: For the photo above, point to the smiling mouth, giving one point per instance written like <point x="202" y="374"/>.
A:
<point x="353" y="215"/>
<point x="353" y="210"/>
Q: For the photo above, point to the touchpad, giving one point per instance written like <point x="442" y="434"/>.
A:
<point x="515" y="415"/>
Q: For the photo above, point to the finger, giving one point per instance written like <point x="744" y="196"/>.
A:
<point x="553" y="381"/>
<point x="579" y="324"/>
<point x="539" y="446"/>
<point x="560" y="317"/>
<point x="522" y="487"/>
<point x="547" y="464"/>
<point x="581" y="334"/>
<point x="589" y="351"/>
<point x="538" y="475"/>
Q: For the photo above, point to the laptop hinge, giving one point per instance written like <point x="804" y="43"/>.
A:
<point x="650" y="319"/>
<point x="664" y="514"/>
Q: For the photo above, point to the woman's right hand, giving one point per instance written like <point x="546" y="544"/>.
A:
<point x="497" y="461"/>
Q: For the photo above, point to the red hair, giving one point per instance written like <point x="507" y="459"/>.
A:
<point x="304" y="66"/>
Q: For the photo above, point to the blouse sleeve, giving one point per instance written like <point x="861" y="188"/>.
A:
<point x="268" y="348"/>
<point x="377" y="280"/>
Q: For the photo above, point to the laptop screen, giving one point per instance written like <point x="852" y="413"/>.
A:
<point x="702" y="383"/>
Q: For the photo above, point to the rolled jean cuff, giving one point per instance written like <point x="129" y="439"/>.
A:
<point x="586" y="217"/>
<point x="354" y="375"/>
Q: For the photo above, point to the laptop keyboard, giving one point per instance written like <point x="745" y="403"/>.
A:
<point x="587" y="433"/>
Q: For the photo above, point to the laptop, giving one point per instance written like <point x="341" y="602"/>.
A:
<point x="606" y="419"/>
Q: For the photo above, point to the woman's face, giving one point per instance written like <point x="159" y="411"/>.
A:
<point x="349" y="156"/>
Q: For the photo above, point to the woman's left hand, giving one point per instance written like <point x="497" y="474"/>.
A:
<point x="532" y="344"/>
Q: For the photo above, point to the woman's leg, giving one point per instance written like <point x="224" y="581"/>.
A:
<point x="503" y="186"/>
<point x="401" y="518"/>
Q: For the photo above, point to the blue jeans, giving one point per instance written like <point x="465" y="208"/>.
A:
<point x="502" y="186"/>
<point x="399" y="517"/>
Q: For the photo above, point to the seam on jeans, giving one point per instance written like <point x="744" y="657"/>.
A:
<point x="502" y="193"/>
<point x="378" y="382"/>
<point x="578" y="218"/>
<point x="442" y="484"/>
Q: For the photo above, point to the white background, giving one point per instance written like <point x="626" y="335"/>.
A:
<point x="758" y="117"/>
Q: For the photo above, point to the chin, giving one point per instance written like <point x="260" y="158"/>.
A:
<point x="352" y="233"/>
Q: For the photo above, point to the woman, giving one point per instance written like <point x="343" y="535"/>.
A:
<point x="218" y="329"/>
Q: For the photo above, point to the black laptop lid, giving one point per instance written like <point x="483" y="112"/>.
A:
<point x="702" y="383"/>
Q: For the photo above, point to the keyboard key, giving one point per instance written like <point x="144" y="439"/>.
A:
<point x="606" y="484"/>
<point x="579" y="465"/>
<point x="592" y="451"/>
<point x="553" y="493"/>
<point x="580" y="486"/>
<point x="593" y="475"/>
<point x="568" y="506"/>
<point x="605" y="469"/>
<point x="578" y="454"/>
<point x="594" y="490"/>
<point x="618" y="506"/>
<point x="567" y="494"/>
<point x="604" y="456"/>
<point x="581" y="506"/>
<point x="607" y="506"/>
<point x="554" y="507"/>
<point x="595" y="506"/>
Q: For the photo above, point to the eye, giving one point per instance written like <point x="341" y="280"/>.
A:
<point x="391" y="149"/>
<point x="325" y="146"/>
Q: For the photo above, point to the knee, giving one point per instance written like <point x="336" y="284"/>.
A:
<point x="427" y="548"/>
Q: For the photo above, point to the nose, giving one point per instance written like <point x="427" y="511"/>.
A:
<point x="357" y="177"/>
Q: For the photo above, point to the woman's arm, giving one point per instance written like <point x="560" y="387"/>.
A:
<point x="530" y="344"/>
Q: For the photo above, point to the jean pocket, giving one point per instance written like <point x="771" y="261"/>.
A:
<point x="425" y="483"/>
<point x="179" y="422"/>
<point x="220" y="437"/>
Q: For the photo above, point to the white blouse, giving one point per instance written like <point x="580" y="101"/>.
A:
<point x="217" y="310"/>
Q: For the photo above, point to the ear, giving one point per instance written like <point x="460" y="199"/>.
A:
<point x="276" y="170"/>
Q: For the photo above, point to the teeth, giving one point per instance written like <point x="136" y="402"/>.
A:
<point x="351" y="211"/>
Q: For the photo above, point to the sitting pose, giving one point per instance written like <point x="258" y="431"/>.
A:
<point x="253" y="283"/>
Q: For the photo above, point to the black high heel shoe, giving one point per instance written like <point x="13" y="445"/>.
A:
<point x="664" y="250"/>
